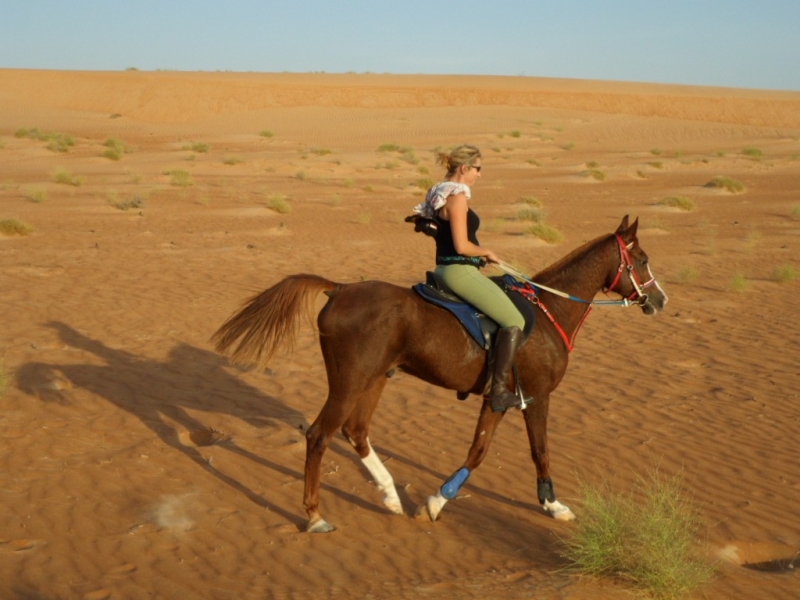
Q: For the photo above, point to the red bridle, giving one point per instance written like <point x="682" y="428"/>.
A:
<point x="627" y="264"/>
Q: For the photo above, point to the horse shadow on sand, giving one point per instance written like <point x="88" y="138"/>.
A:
<point x="191" y="379"/>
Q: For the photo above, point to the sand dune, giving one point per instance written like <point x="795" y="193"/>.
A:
<point x="138" y="463"/>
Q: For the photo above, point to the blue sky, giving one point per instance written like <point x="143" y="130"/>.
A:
<point x="731" y="43"/>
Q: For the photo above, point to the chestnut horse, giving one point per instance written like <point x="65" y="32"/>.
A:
<point x="369" y="329"/>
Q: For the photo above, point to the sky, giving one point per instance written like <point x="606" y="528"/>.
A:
<point x="728" y="43"/>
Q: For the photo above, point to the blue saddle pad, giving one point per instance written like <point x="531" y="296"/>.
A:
<point x="478" y="325"/>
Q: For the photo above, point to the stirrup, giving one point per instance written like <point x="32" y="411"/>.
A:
<point x="501" y="403"/>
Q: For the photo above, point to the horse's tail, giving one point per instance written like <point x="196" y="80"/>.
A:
<point x="269" y="319"/>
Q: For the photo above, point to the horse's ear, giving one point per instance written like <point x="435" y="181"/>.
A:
<point x="630" y="235"/>
<point x="623" y="227"/>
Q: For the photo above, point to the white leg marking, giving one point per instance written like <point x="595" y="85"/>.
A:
<point x="435" y="505"/>
<point x="559" y="511"/>
<point x="383" y="479"/>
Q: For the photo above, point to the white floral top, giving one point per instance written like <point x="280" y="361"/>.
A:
<point x="437" y="197"/>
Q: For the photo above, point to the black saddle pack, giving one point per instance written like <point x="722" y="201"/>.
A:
<point x="477" y="324"/>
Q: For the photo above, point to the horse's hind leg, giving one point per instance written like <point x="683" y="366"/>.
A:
<point x="318" y="437"/>
<point x="351" y="411"/>
<point x="536" y="425"/>
<point x="356" y="430"/>
<point x="484" y="432"/>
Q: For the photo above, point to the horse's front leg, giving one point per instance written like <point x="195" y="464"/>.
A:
<point x="536" y="425"/>
<point x="484" y="432"/>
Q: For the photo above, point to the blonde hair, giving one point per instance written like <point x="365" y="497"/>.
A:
<point x="462" y="155"/>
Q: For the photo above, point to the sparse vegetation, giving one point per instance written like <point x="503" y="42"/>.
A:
<point x="739" y="282"/>
<point x="687" y="274"/>
<point x="531" y="213"/>
<point x="656" y="151"/>
<point x="321" y="151"/>
<point x="424" y="183"/>
<point x="180" y="178"/>
<point x="279" y="203"/>
<point x="390" y="147"/>
<point x="795" y="212"/>
<point x="752" y="152"/>
<point x="679" y="202"/>
<point x="784" y="274"/>
<point x="36" y="195"/>
<point x="364" y="219"/>
<point x="134" y="202"/>
<point x="114" y="149"/>
<point x="545" y="232"/>
<point x="232" y="160"/>
<point x="656" y="164"/>
<point x="199" y="147"/>
<point x="14" y="227"/>
<point x="646" y="537"/>
<point x="596" y="174"/>
<point x="532" y="201"/>
<point x="67" y="178"/>
<point x="266" y="133"/>
<point x="301" y="175"/>
<point x="727" y="184"/>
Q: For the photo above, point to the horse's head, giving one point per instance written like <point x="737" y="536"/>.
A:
<point x="633" y="279"/>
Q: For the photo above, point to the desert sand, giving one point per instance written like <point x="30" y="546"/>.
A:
<point x="112" y="485"/>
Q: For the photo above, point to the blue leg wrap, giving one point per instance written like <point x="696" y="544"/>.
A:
<point x="451" y="486"/>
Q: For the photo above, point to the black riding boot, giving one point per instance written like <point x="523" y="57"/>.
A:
<point x="508" y="340"/>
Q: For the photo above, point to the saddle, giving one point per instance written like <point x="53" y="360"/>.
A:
<point x="478" y="325"/>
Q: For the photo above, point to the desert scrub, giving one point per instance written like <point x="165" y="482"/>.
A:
<point x="36" y="195"/>
<point x="784" y="274"/>
<point x="752" y="153"/>
<point x="656" y="164"/>
<point x="532" y="201"/>
<point x="114" y="149"/>
<point x="739" y="282"/>
<point x="424" y="183"/>
<point x="14" y="227"/>
<point x="795" y="212"/>
<point x="656" y="151"/>
<point x="279" y="203"/>
<point x="596" y="174"/>
<point x="390" y="147"/>
<point x="648" y="537"/>
<point x="727" y="184"/>
<point x="266" y="133"/>
<point x="531" y="213"/>
<point x="680" y="202"/>
<point x="301" y="175"/>
<point x="687" y="274"/>
<point x="132" y="203"/>
<point x="199" y="147"/>
<point x="67" y="178"/>
<point x="232" y="160"/>
<point x="180" y="178"/>
<point x="545" y="232"/>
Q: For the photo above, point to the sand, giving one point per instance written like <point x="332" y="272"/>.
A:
<point x="137" y="463"/>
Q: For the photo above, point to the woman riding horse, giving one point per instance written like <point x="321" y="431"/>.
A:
<point x="459" y="257"/>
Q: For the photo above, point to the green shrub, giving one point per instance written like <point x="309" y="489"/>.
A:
<point x="180" y="178"/>
<point x="532" y="201"/>
<point x="727" y="184"/>
<point x="531" y="213"/>
<point x="648" y="538"/>
<point x="739" y="282"/>
<point x="390" y="147"/>
<point x="784" y="274"/>
<point x="681" y="202"/>
<point x="752" y="152"/>
<point x="545" y="232"/>
<point x="14" y="227"/>
<point x="279" y="203"/>
<point x="135" y="202"/>
<point x="200" y="147"/>
<point x="35" y="195"/>
<point x="67" y="178"/>
<point x="596" y="174"/>
<point x="266" y="133"/>
<point x="114" y="149"/>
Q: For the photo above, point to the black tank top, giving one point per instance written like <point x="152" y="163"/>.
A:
<point x="446" y="249"/>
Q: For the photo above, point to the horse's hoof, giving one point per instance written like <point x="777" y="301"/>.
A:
<point x="320" y="526"/>
<point x="393" y="505"/>
<point x="558" y="511"/>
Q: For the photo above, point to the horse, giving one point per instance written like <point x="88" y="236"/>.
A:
<point x="370" y="329"/>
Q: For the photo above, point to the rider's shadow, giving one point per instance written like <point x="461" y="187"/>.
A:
<point x="191" y="379"/>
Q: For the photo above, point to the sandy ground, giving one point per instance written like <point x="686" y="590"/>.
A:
<point x="107" y="487"/>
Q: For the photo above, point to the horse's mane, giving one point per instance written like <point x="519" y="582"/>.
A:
<point x="562" y="267"/>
